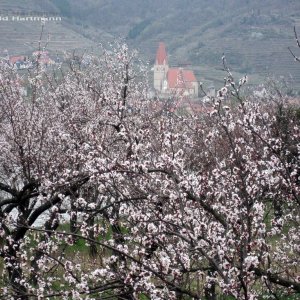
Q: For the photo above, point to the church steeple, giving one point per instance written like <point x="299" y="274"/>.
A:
<point x="161" y="55"/>
<point x="160" y="67"/>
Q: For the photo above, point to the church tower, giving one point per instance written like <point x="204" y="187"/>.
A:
<point x="160" y="67"/>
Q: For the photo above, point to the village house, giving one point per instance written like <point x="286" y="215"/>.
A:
<point x="16" y="61"/>
<point x="169" y="81"/>
<point x="19" y="62"/>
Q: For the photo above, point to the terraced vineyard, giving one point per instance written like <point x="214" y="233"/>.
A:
<point x="254" y="37"/>
<point x="22" y="37"/>
<point x="266" y="56"/>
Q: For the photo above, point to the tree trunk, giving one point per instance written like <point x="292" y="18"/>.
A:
<point x="15" y="273"/>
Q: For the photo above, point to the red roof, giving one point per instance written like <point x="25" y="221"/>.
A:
<point x="189" y="76"/>
<point x="15" y="59"/>
<point x="161" y="54"/>
<point x="179" y="78"/>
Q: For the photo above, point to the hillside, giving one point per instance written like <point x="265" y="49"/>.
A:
<point x="253" y="34"/>
<point x="22" y="37"/>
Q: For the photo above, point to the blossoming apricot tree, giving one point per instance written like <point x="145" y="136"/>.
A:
<point x="105" y="197"/>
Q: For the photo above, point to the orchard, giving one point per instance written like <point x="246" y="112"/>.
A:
<point x="107" y="194"/>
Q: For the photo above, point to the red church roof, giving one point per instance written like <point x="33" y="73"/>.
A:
<point x="179" y="78"/>
<point x="161" y="54"/>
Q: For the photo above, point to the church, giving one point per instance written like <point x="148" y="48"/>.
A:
<point x="168" y="81"/>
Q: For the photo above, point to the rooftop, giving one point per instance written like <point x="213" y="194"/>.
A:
<point x="161" y="55"/>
